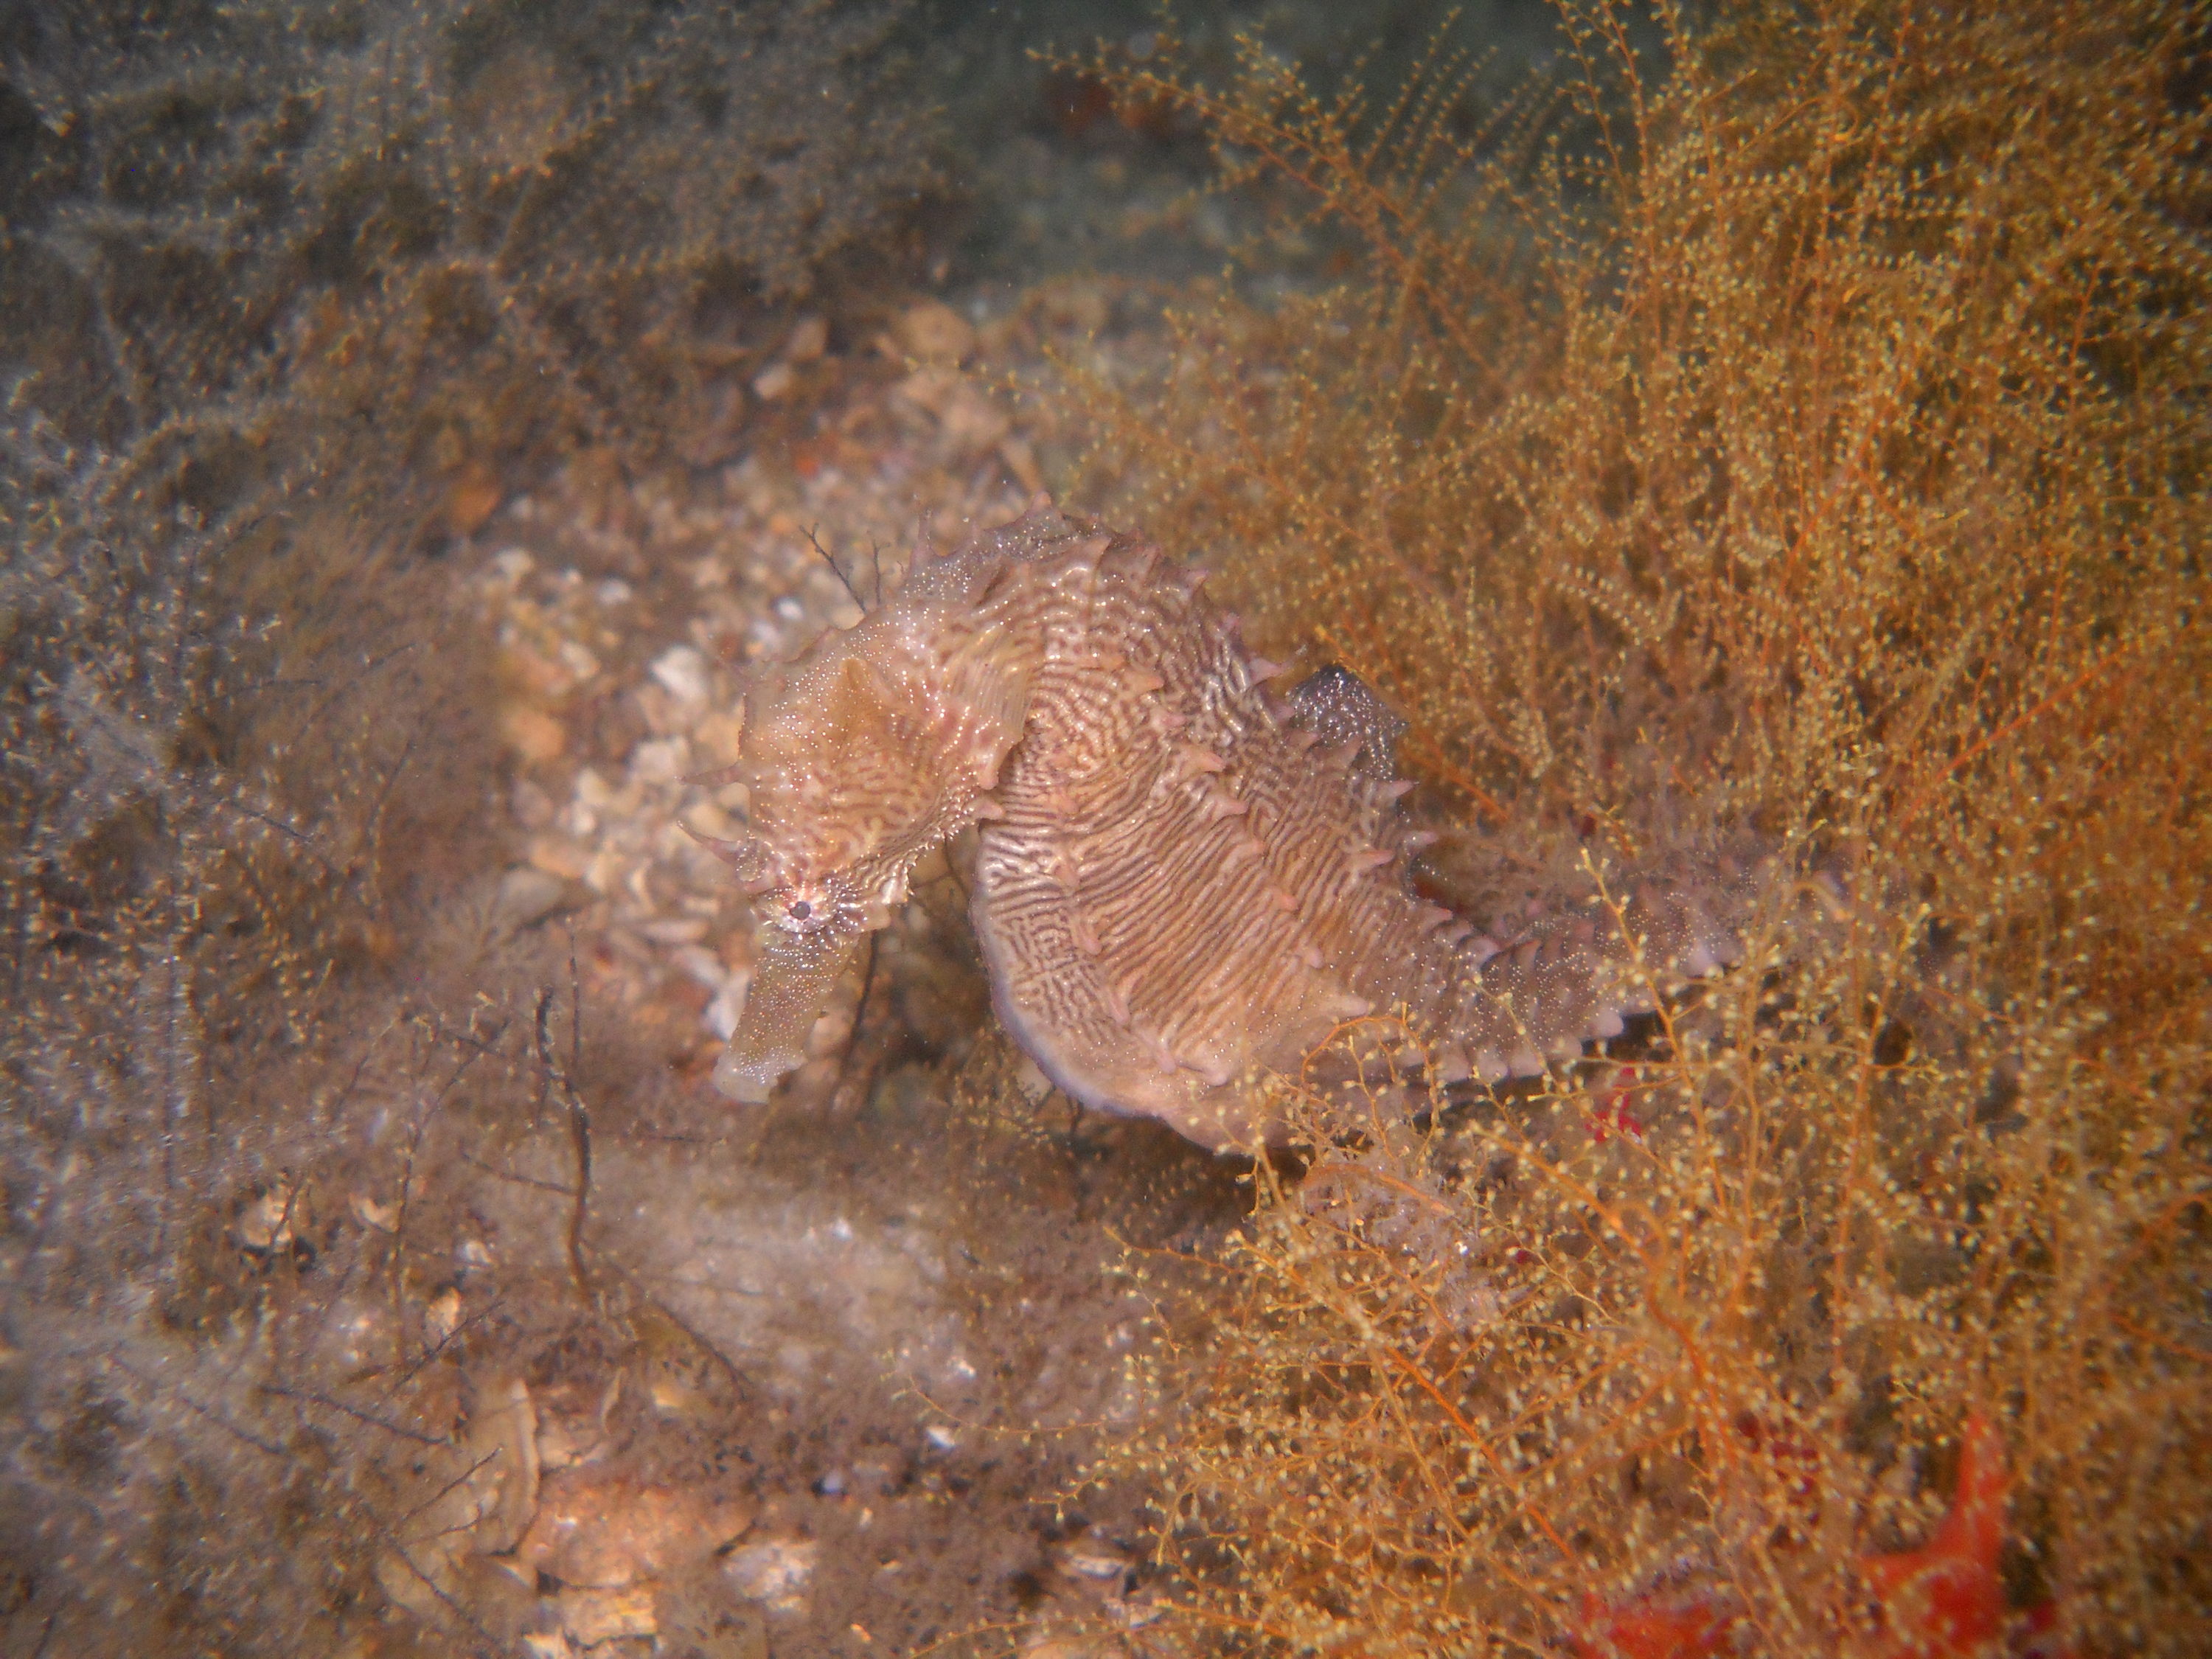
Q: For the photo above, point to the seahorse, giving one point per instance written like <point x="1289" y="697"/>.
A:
<point x="1183" y="880"/>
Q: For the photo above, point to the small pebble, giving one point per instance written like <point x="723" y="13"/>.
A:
<point x="532" y="733"/>
<point x="809" y="338"/>
<point x="774" y="382"/>
<point x="936" y="333"/>
<point x="682" y="672"/>
<point x="527" y="895"/>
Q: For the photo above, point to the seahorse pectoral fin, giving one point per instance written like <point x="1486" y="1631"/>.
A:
<point x="792" y="983"/>
<point x="1339" y="707"/>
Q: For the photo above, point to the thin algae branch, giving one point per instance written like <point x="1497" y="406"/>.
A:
<point x="1184" y="880"/>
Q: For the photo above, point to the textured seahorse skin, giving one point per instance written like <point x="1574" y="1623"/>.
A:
<point x="1182" y="879"/>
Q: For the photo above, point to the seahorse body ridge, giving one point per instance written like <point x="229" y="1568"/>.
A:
<point x="1183" y="879"/>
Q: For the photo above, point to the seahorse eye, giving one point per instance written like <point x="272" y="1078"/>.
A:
<point x="800" y="910"/>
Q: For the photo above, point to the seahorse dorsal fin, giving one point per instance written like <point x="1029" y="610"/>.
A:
<point x="926" y="550"/>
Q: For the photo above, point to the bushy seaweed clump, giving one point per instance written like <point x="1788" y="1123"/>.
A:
<point x="439" y="237"/>
<point x="283" y="289"/>
<point x="217" y="826"/>
<point x="1805" y="436"/>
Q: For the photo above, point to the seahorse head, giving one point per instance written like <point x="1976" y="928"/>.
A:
<point x="871" y="748"/>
